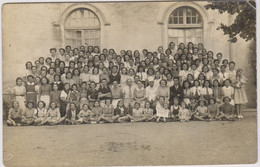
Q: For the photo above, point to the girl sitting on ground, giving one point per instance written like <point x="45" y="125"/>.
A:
<point x="54" y="116"/>
<point x="192" y="107"/>
<point x="28" y="114"/>
<point x="97" y="112"/>
<point x="226" y="110"/>
<point x="138" y="115"/>
<point x="174" y="109"/>
<point x="84" y="115"/>
<point x="201" y="112"/>
<point x="149" y="112"/>
<point x="184" y="113"/>
<point x="213" y="108"/>
<point x="71" y="114"/>
<point x="108" y="113"/>
<point x="40" y="114"/>
<point x="122" y="112"/>
<point x="14" y="115"/>
<point x="162" y="110"/>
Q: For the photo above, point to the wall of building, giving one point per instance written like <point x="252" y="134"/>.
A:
<point x="30" y="30"/>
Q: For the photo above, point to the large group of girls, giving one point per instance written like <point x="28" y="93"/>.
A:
<point x="87" y="85"/>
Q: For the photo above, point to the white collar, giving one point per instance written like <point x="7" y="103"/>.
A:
<point x="140" y="88"/>
<point x="40" y="109"/>
<point x="28" y="83"/>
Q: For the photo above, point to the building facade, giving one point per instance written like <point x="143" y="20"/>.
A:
<point x="30" y="30"/>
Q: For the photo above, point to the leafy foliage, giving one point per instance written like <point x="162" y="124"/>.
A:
<point x="245" y="22"/>
<point x="252" y="57"/>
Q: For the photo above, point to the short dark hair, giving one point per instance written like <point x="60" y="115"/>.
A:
<point x="44" y="104"/>
<point x="29" y="102"/>
<point x="232" y="62"/>
<point x="14" y="101"/>
<point x="30" y="76"/>
<point x="19" y="78"/>
<point x="176" y="78"/>
<point x="226" y="98"/>
<point x="51" y="49"/>
<point x="46" y="79"/>
<point x="62" y="49"/>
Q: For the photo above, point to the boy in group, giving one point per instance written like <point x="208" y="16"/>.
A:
<point x="128" y="93"/>
<point x="116" y="93"/>
<point x="176" y="90"/>
<point x="151" y="93"/>
<point x="104" y="92"/>
<point x="53" y="54"/>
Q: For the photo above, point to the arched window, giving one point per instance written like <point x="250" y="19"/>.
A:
<point x="82" y="27"/>
<point x="185" y="25"/>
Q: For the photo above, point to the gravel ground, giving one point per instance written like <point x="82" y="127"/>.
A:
<point x="132" y="144"/>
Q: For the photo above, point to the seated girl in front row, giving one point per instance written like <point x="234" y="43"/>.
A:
<point x="162" y="110"/>
<point x="192" y="107"/>
<point x="54" y="117"/>
<point x="122" y="112"/>
<point x="226" y="110"/>
<point x="184" y="113"/>
<point x="71" y="114"/>
<point x="97" y="112"/>
<point x="28" y="114"/>
<point x="174" y="110"/>
<point x="40" y="114"/>
<point x="201" y="112"/>
<point x="84" y="115"/>
<point x="108" y="113"/>
<point x="138" y="115"/>
<point x="149" y="112"/>
<point x="14" y="115"/>
<point x="213" y="109"/>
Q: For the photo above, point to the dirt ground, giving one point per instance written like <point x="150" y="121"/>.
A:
<point x="132" y="144"/>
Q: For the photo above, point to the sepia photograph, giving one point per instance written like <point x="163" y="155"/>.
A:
<point x="120" y="83"/>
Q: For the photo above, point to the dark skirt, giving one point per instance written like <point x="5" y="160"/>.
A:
<point x="63" y="106"/>
<point x="17" y="120"/>
<point x="31" y="97"/>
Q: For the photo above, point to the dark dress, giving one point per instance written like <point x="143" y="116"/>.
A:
<point x="117" y="111"/>
<point x="104" y="90"/>
<point x="176" y="111"/>
<point x="113" y="78"/>
<point x="60" y="85"/>
<point x="31" y="95"/>
<point x="176" y="92"/>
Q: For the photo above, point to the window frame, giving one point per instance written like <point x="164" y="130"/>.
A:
<point x="185" y="26"/>
<point x="81" y="29"/>
<point x="184" y="16"/>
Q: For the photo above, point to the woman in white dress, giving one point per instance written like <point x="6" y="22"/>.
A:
<point x="240" y="96"/>
<point x="124" y="77"/>
<point x="20" y="92"/>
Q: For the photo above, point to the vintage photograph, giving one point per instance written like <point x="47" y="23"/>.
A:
<point x="129" y="83"/>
